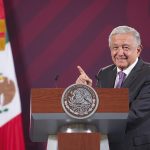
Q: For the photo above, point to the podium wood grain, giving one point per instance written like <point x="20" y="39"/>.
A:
<point x="79" y="141"/>
<point x="49" y="100"/>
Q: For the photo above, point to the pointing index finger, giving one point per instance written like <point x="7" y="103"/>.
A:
<point x="81" y="70"/>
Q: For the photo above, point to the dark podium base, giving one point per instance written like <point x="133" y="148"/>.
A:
<point x="78" y="141"/>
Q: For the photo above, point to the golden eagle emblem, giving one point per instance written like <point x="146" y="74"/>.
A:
<point x="7" y="92"/>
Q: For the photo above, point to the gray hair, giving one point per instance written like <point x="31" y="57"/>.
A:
<point x="125" y="29"/>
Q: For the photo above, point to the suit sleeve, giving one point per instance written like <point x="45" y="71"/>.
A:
<point x="98" y="78"/>
<point x="140" y="106"/>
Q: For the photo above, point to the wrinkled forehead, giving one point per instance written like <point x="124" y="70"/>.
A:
<point x="123" y="38"/>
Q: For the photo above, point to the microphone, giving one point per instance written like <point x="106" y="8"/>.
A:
<point x="97" y="81"/>
<point x="56" y="80"/>
<point x="96" y="77"/>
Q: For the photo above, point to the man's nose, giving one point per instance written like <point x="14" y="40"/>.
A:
<point x="120" y="51"/>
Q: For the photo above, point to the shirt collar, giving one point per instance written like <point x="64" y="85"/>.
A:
<point x="128" y="70"/>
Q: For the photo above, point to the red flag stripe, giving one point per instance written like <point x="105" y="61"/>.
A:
<point x="11" y="136"/>
<point x="1" y="10"/>
<point x="2" y="34"/>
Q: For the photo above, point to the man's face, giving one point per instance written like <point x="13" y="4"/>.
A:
<point x="124" y="50"/>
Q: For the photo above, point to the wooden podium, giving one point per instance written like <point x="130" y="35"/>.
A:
<point x="47" y="117"/>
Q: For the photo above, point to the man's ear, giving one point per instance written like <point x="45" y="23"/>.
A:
<point x="139" y="49"/>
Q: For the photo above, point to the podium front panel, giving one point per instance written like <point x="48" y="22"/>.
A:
<point x="47" y="115"/>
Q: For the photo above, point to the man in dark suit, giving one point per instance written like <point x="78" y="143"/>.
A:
<point x="128" y="71"/>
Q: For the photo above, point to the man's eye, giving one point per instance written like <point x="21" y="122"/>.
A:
<point x="126" y="47"/>
<point x="115" y="48"/>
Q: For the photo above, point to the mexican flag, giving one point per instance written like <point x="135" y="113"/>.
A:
<point x="11" y="133"/>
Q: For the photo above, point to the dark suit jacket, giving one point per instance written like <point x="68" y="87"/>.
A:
<point x="137" y="135"/>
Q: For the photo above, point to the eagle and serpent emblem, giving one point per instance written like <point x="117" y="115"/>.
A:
<point x="79" y="101"/>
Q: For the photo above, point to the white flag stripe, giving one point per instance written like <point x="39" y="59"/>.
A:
<point x="7" y="70"/>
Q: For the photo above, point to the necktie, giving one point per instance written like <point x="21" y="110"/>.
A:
<point x="122" y="76"/>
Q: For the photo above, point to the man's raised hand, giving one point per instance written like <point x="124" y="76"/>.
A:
<point x="83" y="78"/>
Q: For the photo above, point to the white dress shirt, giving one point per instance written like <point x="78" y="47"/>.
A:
<point x="126" y="71"/>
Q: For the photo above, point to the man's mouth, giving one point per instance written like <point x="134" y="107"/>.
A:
<point x="121" y="59"/>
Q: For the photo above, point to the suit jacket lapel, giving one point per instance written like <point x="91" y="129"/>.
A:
<point x="133" y="74"/>
<point x="112" y="77"/>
